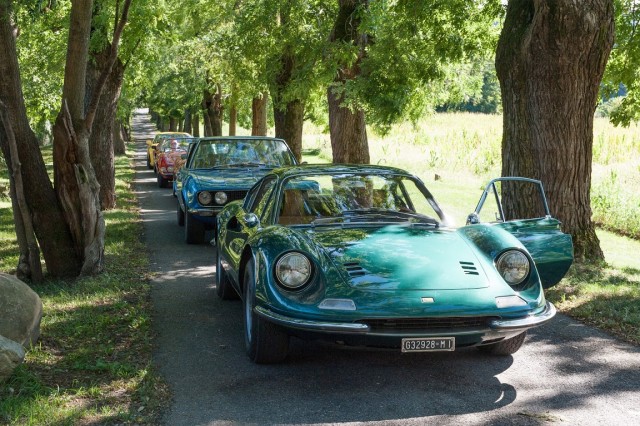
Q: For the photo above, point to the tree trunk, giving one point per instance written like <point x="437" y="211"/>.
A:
<point x="74" y="177"/>
<point x="173" y="124"/>
<point x="259" y="115"/>
<point x="216" y="112"/>
<point x="550" y="60"/>
<point x="188" y="127"/>
<point x="289" y="123"/>
<point x="101" y="141"/>
<point x="119" y="138"/>
<point x="49" y="223"/>
<point x="29" y="262"/>
<point x="207" y="102"/>
<point x="347" y="126"/>
<point x="233" y="120"/>
<point x="196" y="124"/>
<point x="288" y="115"/>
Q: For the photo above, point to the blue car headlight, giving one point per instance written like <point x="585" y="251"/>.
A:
<point x="204" y="198"/>
<point x="513" y="266"/>
<point x="293" y="270"/>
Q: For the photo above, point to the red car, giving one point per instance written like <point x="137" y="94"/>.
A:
<point x="169" y="150"/>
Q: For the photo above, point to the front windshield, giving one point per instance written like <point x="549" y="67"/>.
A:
<point x="241" y="152"/>
<point x="355" y="197"/>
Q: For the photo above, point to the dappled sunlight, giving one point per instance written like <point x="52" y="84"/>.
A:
<point x="177" y="274"/>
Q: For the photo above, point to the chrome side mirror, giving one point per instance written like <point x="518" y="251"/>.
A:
<point x="251" y="220"/>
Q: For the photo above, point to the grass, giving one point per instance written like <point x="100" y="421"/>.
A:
<point x="92" y="363"/>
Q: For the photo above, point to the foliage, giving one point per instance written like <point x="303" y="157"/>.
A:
<point x="622" y="67"/>
<point x="92" y="363"/>
<point x="41" y="47"/>
<point x="472" y="87"/>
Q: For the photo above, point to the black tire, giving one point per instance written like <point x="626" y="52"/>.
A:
<point x="149" y="166"/>
<point x="162" y="182"/>
<point x="193" y="229"/>
<point x="224" y="289"/>
<point x="265" y="342"/>
<point x="506" y="346"/>
<point x="179" y="214"/>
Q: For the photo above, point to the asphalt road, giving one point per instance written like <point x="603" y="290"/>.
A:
<point x="566" y="373"/>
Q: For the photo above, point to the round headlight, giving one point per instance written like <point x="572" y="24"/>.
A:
<point x="220" y="197"/>
<point x="293" y="270"/>
<point x="514" y="266"/>
<point x="204" y="198"/>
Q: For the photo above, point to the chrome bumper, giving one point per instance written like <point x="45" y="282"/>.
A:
<point x="526" y="322"/>
<point x="494" y="326"/>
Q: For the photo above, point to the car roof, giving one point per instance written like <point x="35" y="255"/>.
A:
<point x="308" y="169"/>
<point x="174" y="133"/>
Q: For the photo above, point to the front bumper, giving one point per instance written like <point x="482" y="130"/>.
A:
<point x="495" y="329"/>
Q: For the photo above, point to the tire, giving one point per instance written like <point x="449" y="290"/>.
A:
<point x="193" y="230"/>
<point x="224" y="289"/>
<point x="265" y="342"/>
<point x="162" y="182"/>
<point x="149" y="166"/>
<point x="506" y="346"/>
<point x="179" y="214"/>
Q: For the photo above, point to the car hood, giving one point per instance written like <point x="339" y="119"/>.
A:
<point x="403" y="258"/>
<point x="236" y="177"/>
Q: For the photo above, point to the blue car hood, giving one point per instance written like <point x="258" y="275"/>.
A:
<point x="403" y="258"/>
<point x="235" y="177"/>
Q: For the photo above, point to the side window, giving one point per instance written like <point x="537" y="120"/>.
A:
<point x="258" y="204"/>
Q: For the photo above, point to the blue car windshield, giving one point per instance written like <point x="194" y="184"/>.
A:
<point x="325" y="198"/>
<point x="241" y="152"/>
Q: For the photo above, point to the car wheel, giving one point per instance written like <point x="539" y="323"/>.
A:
<point x="193" y="229"/>
<point x="149" y="166"/>
<point x="506" y="346"/>
<point x="223" y="286"/>
<point x="162" y="182"/>
<point x="266" y="343"/>
<point x="180" y="214"/>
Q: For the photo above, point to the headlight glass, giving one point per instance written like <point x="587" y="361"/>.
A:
<point x="514" y="266"/>
<point x="293" y="270"/>
<point x="204" y="198"/>
<point x="221" y="197"/>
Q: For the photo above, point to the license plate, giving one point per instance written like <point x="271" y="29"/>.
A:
<point x="428" y="344"/>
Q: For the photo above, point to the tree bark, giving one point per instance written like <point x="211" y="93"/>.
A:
<point x="259" y="115"/>
<point x="207" y="102"/>
<point x="289" y="123"/>
<point x="173" y="124"/>
<point x="288" y="115"/>
<point x="233" y="120"/>
<point x="119" y="138"/>
<point x="49" y="223"/>
<point x="101" y="141"/>
<point x="196" y="124"/>
<point x="29" y="262"/>
<point x="347" y="126"/>
<point x="188" y="126"/>
<point x="550" y="60"/>
<point x="216" y="112"/>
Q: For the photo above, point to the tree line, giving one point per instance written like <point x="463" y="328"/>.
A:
<point x="76" y="69"/>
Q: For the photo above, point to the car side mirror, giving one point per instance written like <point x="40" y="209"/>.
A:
<point x="251" y="220"/>
<point x="473" y="219"/>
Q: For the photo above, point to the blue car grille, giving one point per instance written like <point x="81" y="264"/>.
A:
<point x="396" y="324"/>
<point x="231" y="196"/>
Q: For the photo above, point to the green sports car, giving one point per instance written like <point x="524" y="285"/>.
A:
<point x="363" y="255"/>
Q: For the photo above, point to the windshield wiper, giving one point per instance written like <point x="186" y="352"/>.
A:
<point x="247" y="164"/>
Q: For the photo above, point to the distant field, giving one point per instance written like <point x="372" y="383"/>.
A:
<point x="462" y="151"/>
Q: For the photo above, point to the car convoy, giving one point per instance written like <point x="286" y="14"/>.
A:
<point x="362" y="254"/>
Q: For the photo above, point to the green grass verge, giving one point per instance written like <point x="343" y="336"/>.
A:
<point x="92" y="364"/>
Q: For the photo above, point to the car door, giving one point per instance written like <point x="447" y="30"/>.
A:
<point x="540" y="233"/>
<point x="246" y="221"/>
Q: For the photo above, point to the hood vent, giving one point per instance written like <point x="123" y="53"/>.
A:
<point x="469" y="268"/>
<point x="354" y="269"/>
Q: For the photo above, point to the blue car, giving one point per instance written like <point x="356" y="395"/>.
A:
<point x="219" y="170"/>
